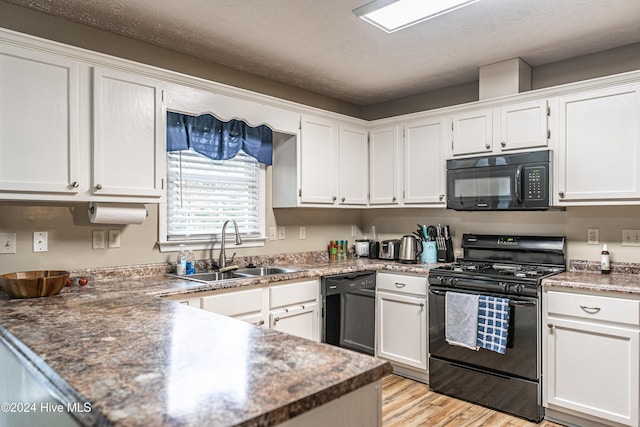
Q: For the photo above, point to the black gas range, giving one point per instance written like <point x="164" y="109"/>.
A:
<point x="511" y="269"/>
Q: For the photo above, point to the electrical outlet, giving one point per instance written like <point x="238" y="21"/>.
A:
<point x="630" y="237"/>
<point x="40" y="241"/>
<point x="281" y="233"/>
<point x="272" y="233"/>
<point x="114" y="238"/>
<point x="593" y="236"/>
<point x="7" y="243"/>
<point x="354" y="231"/>
<point x="303" y="233"/>
<point x="98" y="239"/>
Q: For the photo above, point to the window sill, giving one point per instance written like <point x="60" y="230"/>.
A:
<point x="203" y="245"/>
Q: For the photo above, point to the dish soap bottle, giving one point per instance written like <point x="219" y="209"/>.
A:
<point x="605" y="262"/>
<point x="191" y="263"/>
<point x="181" y="262"/>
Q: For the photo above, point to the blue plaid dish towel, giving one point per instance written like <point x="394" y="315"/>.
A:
<point x="493" y="323"/>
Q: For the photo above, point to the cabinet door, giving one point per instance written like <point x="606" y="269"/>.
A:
<point x="301" y="321"/>
<point x="354" y="166"/>
<point x="39" y="121"/>
<point x="424" y="163"/>
<point x="472" y="132"/>
<point x="129" y="145"/>
<point x="383" y="166"/>
<point x="599" y="146"/>
<point x="318" y="161"/>
<point x="593" y="369"/>
<point x="524" y="126"/>
<point x="402" y="329"/>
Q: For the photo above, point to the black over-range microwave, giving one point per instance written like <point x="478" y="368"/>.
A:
<point x="520" y="181"/>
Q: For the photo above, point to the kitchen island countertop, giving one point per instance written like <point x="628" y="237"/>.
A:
<point x="143" y="360"/>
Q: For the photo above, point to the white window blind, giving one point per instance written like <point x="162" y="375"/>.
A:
<point x="203" y="193"/>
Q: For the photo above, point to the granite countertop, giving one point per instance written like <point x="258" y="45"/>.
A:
<point x="622" y="283"/>
<point x="144" y="360"/>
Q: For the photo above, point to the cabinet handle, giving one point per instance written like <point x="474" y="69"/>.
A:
<point x="487" y="146"/>
<point x="561" y="194"/>
<point x="590" y="310"/>
<point x="400" y="285"/>
<point x="503" y="144"/>
<point x="99" y="187"/>
<point x="75" y="184"/>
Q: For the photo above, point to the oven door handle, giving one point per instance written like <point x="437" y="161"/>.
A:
<point x="437" y="292"/>
<point x="516" y="303"/>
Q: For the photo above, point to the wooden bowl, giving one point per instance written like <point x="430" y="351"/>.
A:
<point x="33" y="284"/>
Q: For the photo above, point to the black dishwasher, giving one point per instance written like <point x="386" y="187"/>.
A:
<point x="349" y="310"/>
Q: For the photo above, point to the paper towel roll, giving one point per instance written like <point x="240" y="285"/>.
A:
<point x="117" y="213"/>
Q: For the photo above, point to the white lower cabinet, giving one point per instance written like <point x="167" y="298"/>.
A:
<point x="290" y="307"/>
<point x="592" y="359"/>
<point x="401" y="323"/>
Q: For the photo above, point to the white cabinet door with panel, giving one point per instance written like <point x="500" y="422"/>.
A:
<point x="401" y="322"/>
<point x="128" y="135"/>
<point x="39" y="125"/>
<point x="472" y="132"/>
<point x="592" y="359"/>
<point x="383" y="166"/>
<point x="353" y="158"/>
<point x="424" y="162"/>
<point x="598" y="157"/>
<point x="294" y="308"/>
<point x="523" y="126"/>
<point x="318" y="161"/>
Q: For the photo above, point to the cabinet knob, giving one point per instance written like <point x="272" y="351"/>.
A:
<point x="561" y="194"/>
<point x="441" y="197"/>
<point x="487" y="146"/>
<point x="75" y="184"/>
<point x="260" y="323"/>
<point x="421" y="304"/>
<point x="550" y="325"/>
<point x="343" y="199"/>
<point x="276" y="319"/>
<point x="99" y="187"/>
<point x="503" y="144"/>
<point x="393" y="199"/>
<point x="334" y="198"/>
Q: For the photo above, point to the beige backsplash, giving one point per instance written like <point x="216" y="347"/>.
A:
<point x="70" y="232"/>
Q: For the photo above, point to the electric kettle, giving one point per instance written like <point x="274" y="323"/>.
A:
<point x="410" y="249"/>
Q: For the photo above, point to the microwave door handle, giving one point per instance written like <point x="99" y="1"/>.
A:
<point x="518" y="184"/>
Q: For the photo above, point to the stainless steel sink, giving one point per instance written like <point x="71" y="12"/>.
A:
<point x="206" y="277"/>
<point x="263" y="271"/>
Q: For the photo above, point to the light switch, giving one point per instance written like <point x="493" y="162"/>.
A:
<point x="7" y="243"/>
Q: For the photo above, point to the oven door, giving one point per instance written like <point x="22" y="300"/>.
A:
<point x="521" y="357"/>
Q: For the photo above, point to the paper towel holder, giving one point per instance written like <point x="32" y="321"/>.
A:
<point x="93" y="208"/>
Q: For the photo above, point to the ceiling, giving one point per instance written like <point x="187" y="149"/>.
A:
<point x="321" y="46"/>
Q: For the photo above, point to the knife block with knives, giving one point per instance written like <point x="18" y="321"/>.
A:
<point x="444" y="244"/>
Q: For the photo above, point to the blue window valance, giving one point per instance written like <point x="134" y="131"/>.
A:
<point x="216" y="139"/>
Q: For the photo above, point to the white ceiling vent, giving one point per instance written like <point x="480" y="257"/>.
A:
<point x="504" y="78"/>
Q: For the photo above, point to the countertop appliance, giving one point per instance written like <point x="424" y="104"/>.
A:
<point x="519" y="181"/>
<point x="410" y="249"/>
<point x="389" y="249"/>
<point x="510" y="267"/>
<point x="362" y="248"/>
<point x="349" y="310"/>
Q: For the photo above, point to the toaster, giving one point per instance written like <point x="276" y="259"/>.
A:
<point x="390" y="249"/>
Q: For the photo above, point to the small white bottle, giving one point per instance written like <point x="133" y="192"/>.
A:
<point x="605" y="261"/>
<point x="181" y="262"/>
<point x="191" y="263"/>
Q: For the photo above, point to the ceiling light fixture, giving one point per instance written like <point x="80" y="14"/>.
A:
<point x="394" y="15"/>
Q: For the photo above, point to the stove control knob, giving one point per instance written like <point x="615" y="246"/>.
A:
<point x="504" y="286"/>
<point x="519" y="288"/>
<point x="454" y="281"/>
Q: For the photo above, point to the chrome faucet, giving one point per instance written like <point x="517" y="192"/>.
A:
<point x="222" y="260"/>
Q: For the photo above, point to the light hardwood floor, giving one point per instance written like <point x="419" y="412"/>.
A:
<point x="408" y="403"/>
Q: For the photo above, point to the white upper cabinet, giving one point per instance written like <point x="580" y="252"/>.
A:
<point x="383" y="165"/>
<point x="523" y="126"/>
<point x="353" y="148"/>
<point x="472" y="132"/>
<point x="598" y="156"/>
<point x="424" y="162"/>
<point x="128" y="135"/>
<point x="39" y="121"/>
<point x="519" y="126"/>
<point x="318" y="160"/>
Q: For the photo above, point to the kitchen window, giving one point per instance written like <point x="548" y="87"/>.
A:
<point x="203" y="193"/>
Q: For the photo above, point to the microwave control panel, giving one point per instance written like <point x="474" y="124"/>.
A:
<point x="535" y="182"/>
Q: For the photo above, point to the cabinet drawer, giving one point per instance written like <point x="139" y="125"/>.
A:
<point x="400" y="283"/>
<point x="234" y="303"/>
<point x="293" y="294"/>
<point x="594" y="307"/>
